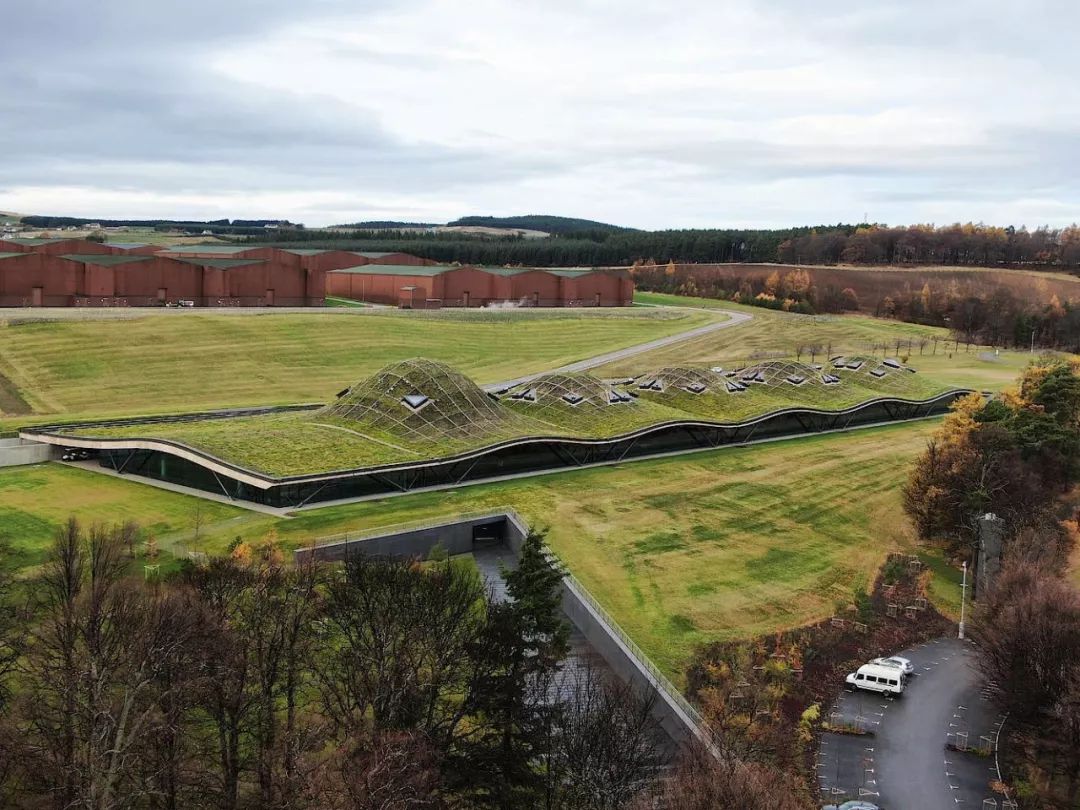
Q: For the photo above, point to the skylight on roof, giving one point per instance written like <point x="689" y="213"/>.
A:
<point x="415" y="402"/>
<point x="830" y="379"/>
<point x="695" y="388"/>
<point x="855" y="365"/>
<point x="795" y="379"/>
<point x="891" y="363"/>
<point x="615" y="397"/>
<point x="528" y="395"/>
<point x="734" y="387"/>
<point x="877" y="372"/>
<point x="572" y="398"/>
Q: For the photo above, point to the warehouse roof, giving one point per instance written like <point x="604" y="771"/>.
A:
<point x="13" y="255"/>
<point x="220" y="250"/>
<point x="513" y="271"/>
<point x="103" y="259"/>
<point x="398" y="269"/>
<point x="36" y="242"/>
<point x="225" y="264"/>
<point x="304" y="251"/>
<point x="569" y="272"/>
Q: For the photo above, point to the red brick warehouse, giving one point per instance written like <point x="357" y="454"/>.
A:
<point x="440" y="285"/>
<point x="76" y="272"/>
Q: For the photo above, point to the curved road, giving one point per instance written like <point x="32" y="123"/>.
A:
<point x="907" y="763"/>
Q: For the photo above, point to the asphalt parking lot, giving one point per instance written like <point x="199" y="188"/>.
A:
<point x="904" y="760"/>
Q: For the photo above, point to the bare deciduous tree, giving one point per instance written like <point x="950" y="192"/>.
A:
<point x="604" y="749"/>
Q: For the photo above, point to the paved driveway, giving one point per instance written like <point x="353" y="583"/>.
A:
<point x="905" y="762"/>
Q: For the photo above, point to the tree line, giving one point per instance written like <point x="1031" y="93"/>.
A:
<point x="980" y="313"/>
<point x="597" y="245"/>
<point x="953" y="245"/>
<point x="1016" y="457"/>
<point x="244" y="682"/>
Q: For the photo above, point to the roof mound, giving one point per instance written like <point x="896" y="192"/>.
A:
<point x="887" y="375"/>
<point x="680" y="378"/>
<point x="558" y="394"/>
<point x="418" y="399"/>
<point x="779" y="372"/>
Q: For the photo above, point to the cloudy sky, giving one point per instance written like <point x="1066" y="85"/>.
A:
<point x="654" y="115"/>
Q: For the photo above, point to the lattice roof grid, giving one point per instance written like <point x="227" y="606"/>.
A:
<point x="419" y="399"/>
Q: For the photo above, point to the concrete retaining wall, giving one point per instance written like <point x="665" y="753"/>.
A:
<point x="16" y="452"/>
<point x="454" y="536"/>
<point x="457" y="538"/>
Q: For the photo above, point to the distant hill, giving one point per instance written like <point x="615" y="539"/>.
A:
<point x="539" y="222"/>
<point x="384" y="225"/>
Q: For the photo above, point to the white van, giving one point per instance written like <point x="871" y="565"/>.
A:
<point x="878" y="678"/>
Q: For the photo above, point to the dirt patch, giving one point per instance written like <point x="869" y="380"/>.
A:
<point x="11" y="401"/>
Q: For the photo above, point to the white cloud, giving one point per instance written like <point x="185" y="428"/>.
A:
<point x="694" y="112"/>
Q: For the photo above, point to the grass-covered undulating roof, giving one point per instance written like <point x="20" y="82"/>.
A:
<point x="422" y="409"/>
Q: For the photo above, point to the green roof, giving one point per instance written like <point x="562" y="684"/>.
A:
<point x="225" y="264"/>
<point x="304" y="251"/>
<point x="103" y="259"/>
<point x="516" y="271"/>
<point x="13" y="255"/>
<point x="36" y="242"/>
<point x="569" y="272"/>
<point x="397" y="270"/>
<point x="126" y="245"/>
<point x="221" y="250"/>
<point x="375" y="254"/>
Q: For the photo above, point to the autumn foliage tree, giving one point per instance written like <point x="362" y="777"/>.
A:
<point x="1028" y="650"/>
<point x="1011" y="456"/>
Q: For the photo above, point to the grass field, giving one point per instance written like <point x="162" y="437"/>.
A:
<point x="772" y="331"/>
<point x="722" y="544"/>
<point x="35" y="501"/>
<point x="143" y="236"/>
<point x="159" y="364"/>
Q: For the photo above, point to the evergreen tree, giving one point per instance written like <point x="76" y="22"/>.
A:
<point x="517" y="658"/>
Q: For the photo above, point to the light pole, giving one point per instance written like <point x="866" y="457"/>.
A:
<point x="963" y="598"/>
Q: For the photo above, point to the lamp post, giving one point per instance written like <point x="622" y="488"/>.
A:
<point x="963" y="598"/>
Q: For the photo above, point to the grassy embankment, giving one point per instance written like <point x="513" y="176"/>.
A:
<point x="90" y="368"/>
<point x="724" y="544"/>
